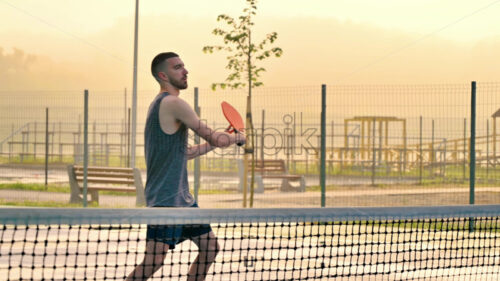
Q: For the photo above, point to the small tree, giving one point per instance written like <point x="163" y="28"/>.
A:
<point x="241" y="61"/>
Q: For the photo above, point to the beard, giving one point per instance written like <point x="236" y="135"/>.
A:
<point x="179" y="84"/>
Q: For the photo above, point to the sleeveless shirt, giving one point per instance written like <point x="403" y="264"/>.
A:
<point x="166" y="162"/>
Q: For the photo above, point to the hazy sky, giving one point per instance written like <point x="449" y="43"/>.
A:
<point x="60" y="44"/>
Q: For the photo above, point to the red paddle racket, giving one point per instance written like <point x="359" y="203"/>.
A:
<point x="236" y="124"/>
<point x="233" y="117"/>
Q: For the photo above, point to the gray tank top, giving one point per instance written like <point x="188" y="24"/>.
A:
<point x="167" y="182"/>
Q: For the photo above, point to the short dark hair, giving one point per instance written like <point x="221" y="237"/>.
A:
<point x="158" y="61"/>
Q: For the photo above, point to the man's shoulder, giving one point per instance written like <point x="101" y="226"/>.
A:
<point x="171" y="99"/>
<point x="174" y="104"/>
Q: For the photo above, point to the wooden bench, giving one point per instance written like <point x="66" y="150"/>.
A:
<point x="105" y="178"/>
<point x="271" y="169"/>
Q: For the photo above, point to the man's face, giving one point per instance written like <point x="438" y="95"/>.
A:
<point x="176" y="73"/>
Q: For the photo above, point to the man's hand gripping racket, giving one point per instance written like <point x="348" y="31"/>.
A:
<point x="236" y="124"/>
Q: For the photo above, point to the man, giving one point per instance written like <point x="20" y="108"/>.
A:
<point x="166" y="151"/>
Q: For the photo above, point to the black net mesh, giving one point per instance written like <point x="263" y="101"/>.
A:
<point x="307" y="244"/>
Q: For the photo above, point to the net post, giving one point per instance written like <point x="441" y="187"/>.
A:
<point x="472" y="155"/>
<point x="323" y="148"/>
<point x="85" y="145"/>
<point x="197" y="142"/>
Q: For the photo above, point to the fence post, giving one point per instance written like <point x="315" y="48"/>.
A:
<point x="46" y="146"/>
<point x="128" y="136"/>
<point x="323" y="144"/>
<point x="262" y="135"/>
<point x="405" y="143"/>
<point x="85" y="145"/>
<point x="432" y="153"/>
<point x="197" y="142"/>
<point x="35" y="133"/>
<point x="60" y="143"/>
<point x="421" y="153"/>
<point x="332" y="148"/>
<point x="487" y="149"/>
<point x="472" y="155"/>
<point x="464" y="163"/>
<point x="374" y="151"/>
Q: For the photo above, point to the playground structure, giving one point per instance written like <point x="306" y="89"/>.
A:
<point x="363" y="144"/>
<point x="367" y="144"/>
<point x="65" y="140"/>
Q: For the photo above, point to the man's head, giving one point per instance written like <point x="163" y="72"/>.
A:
<point x="169" y="68"/>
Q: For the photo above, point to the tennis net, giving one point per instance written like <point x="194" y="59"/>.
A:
<point x="412" y="243"/>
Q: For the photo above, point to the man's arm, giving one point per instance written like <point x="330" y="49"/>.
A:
<point x="198" y="150"/>
<point x="182" y="111"/>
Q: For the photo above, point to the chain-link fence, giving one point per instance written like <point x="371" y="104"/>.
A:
<point x="386" y="145"/>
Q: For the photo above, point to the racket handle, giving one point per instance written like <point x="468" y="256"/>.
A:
<point x="237" y="132"/>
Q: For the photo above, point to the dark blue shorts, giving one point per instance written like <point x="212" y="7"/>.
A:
<point x="175" y="234"/>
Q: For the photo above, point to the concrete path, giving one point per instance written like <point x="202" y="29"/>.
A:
<point x="352" y="191"/>
<point x="274" y="198"/>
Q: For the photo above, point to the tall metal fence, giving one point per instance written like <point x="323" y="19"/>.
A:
<point x="386" y="145"/>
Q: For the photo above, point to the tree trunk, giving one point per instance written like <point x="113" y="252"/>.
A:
<point x="249" y="146"/>
<point x="250" y="119"/>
